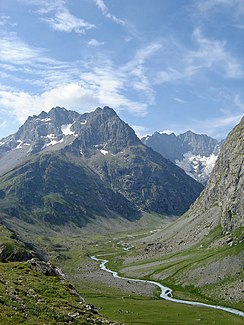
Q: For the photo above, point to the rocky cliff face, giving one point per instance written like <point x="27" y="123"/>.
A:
<point x="225" y="188"/>
<point x="195" y="153"/>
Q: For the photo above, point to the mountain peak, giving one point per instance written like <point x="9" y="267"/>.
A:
<point x="58" y="109"/>
<point x="105" y="110"/>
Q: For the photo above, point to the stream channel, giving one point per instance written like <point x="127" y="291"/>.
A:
<point x="166" y="293"/>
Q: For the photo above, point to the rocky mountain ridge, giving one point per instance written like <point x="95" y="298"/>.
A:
<point x="195" y="153"/>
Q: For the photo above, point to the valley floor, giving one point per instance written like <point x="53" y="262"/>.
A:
<point x="128" y="302"/>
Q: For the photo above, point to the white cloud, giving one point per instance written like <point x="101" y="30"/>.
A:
<point x="71" y="96"/>
<point x="169" y="75"/>
<point x="137" y="72"/>
<point x="210" y="55"/>
<point x="213" y="54"/>
<point x="105" y="11"/>
<point x="237" y="6"/>
<point x="217" y="127"/>
<point x="109" y="84"/>
<point x="101" y="5"/>
<point x="46" y="6"/>
<point x="100" y="82"/>
<point x="64" y="21"/>
<point x="59" y="18"/>
<point x="6" y="20"/>
<point x="95" y="43"/>
<point x="179" y="100"/>
<point x="145" y="53"/>
<point x="14" y="50"/>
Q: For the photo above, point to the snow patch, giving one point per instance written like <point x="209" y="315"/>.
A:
<point x="2" y="143"/>
<point x="197" y="166"/>
<point x="104" y="152"/>
<point x="51" y="136"/>
<point x="20" y="142"/>
<point x="65" y="128"/>
<point x="53" y="142"/>
<point x="48" y="119"/>
<point x="83" y="122"/>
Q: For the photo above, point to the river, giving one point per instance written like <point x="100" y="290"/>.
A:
<point x="166" y="293"/>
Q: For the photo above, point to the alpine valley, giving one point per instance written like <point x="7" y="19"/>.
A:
<point x="76" y="185"/>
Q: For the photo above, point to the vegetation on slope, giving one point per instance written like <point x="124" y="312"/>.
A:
<point x="34" y="292"/>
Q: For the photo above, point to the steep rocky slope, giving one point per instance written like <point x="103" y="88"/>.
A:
<point x="53" y="189"/>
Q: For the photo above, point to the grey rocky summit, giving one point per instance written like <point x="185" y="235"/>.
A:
<point x="195" y="153"/>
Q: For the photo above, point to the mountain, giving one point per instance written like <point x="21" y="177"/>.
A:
<point x="195" y="153"/>
<point x="210" y="234"/>
<point x="63" y="167"/>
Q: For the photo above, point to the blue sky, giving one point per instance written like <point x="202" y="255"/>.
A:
<point x="161" y="64"/>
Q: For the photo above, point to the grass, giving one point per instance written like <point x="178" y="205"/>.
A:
<point x="136" y="310"/>
<point x="29" y="297"/>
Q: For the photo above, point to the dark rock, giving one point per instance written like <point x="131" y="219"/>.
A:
<point x="43" y="267"/>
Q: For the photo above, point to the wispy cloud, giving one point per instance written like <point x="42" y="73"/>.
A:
<point x="138" y="73"/>
<point x="217" y="127"/>
<point x="105" y="11"/>
<point x="231" y="110"/>
<point x="214" y="54"/>
<point x="58" y="17"/>
<point x="6" y="21"/>
<point x="64" y="21"/>
<point x="14" y="50"/>
<point x="76" y="85"/>
<point x="237" y="6"/>
<point x="94" y="42"/>
<point x="209" y="55"/>
<point x="179" y="100"/>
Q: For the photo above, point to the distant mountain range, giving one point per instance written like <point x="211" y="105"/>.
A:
<point x="195" y="153"/>
<point x="62" y="167"/>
